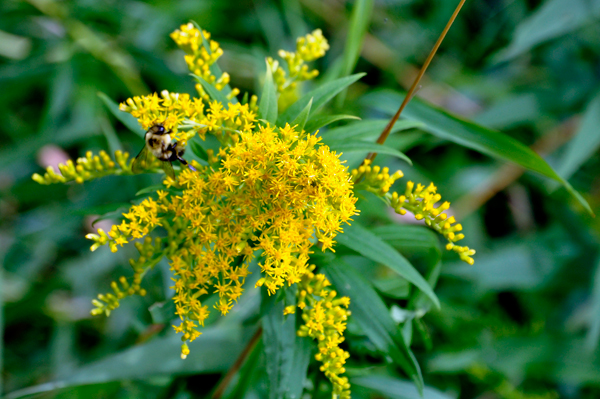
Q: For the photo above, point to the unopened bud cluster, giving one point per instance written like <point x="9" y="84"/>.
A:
<point x="374" y="178"/>
<point x="421" y="201"/>
<point x="110" y="301"/>
<point x="201" y="53"/>
<point x="308" y="48"/>
<point x="87" y="168"/>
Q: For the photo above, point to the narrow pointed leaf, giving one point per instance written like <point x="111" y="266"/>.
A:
<point x="124" y="117"/>
<point x="394" y="388"/>
<point x="470" y="135"/>
<point x="267" y="109"/>
<point x="368" y="128"/>
<point x="198" y="150"/>
<point x="371" y="314"/>
<point x="593" y="334"/>
<point x="410" y="237"/>
<point x="552" y="19"/>
<point x="212" y="90"/>
<point x="320" y="96"/>
<point x="219" y="349"/>
<point x="286" y="354"/>
<point x="319" y="121"/>
<point x="366" y="147"/>
<point x="214" y="68"/>
<point x="302" y="117"/>
<point x="586" y="140"/>
<point x="369" y="245"/>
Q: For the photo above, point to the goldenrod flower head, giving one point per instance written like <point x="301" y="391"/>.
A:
<point x="308" y="48"/>
<point x="275" y="190"/>
<point x="268" y="191"/>
<point x="325" y="318"/>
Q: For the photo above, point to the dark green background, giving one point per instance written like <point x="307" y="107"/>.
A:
<point x="523" y="321"/>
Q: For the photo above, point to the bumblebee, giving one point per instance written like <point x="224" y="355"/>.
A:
<point x="159" y="145"/>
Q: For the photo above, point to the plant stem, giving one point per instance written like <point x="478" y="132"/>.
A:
<point x="236" y="366"/>
<point x="411" y="92"/>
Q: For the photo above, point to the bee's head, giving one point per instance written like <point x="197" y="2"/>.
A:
<point x="160" y="129"/>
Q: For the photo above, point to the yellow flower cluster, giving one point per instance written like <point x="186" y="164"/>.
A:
<point x="87" y="168"/>
<point x="201" y="53"/>
<point x="170" y="109"/>
<point x="420" y="201"/>
<point x="308" y="48"/>
<point x="269" y="191"/>
<point x="142" y="219"/>
<point x="175" y="111"/>
<point x="108" y="302"/>
<point x="325" y="318"/>
<point x="374" y="179"/>
<point x="276" y="191"/>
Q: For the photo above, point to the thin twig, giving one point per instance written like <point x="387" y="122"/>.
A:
<point x="386" y="132"/>
<point x="237" y="365"/>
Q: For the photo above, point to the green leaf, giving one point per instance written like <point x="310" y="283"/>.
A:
<point x="359" y="23"/>
<point x="212" y="90"/>
<point x="302" y="117"/>
<point x="593" y="334"/>
<point x="371" y="314"/>
<point x="395" y="388"/>
<point x="124" y="117"/>
<point x="368" y="128"/>
<point x="319" y="96"/>
<point x="363" y="146"/>
<point x="369" y="245"/>
<point x="299" y="369"/>
<point x="215" y="352"/>
<point x="114" y="144"/>
<point x="585" y="143"/>
<point x="552" y="19"/>
<point x="162" y="312"/>
<point x="418" y="240"/>
<point x="150" y="189"/>
<point x="267" y="109"/>
<point x="287" y="355"/>
<point x="392" y="286"/>
<point x="111" y="215"/>
<point x="319" y="121"/>
<point x="411" y="238"/>
<point x="198" y="150"/>
<point x="101" y="209"/>
<point x="471" y="135"/>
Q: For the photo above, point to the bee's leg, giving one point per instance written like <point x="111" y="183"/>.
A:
<point x="175" y="155"/>
<point x="184" y="162"/>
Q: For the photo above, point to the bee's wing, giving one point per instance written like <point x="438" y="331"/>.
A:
<point x="142" y="161"/>
<point x="168" y="168"/>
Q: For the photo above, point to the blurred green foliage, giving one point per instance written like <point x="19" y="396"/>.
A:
<point x="523" y="322"/>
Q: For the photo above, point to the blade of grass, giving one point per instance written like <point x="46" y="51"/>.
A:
<point x="359" y="22"/>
